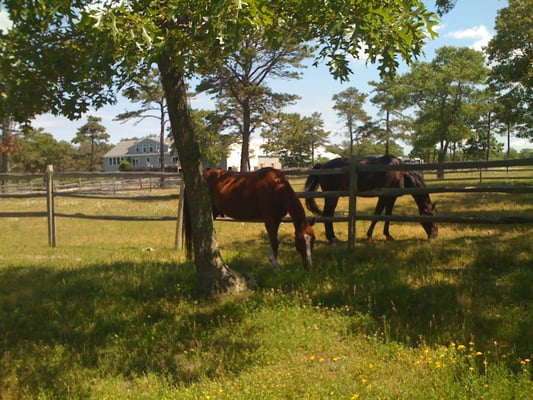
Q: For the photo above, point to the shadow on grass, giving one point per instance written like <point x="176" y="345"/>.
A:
<point x="62" y="329"/>
<point x="59" y="328"/>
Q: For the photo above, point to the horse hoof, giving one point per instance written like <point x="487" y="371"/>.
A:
<point x="370" y="239"/>
<point x="389" y="239"/>
<point x="333" y="240"/>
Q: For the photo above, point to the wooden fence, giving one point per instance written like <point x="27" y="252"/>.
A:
<point x="116" y="185"/>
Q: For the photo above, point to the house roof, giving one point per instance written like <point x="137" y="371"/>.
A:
<point x="121" y="148"/>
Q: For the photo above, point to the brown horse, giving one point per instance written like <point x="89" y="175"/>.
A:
<point x="264" y="195"/>
<point x="370" y="181"/>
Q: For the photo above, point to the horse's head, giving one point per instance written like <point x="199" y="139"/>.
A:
<point x="304" y="242"/>
<point x="431" y="228"/>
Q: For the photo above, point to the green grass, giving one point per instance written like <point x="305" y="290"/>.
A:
<point x="112" y="312"/>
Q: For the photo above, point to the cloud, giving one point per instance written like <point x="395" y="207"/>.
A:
<point x="480" y="34"/>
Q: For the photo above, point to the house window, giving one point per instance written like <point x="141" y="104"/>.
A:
<point x="144" y="148"/>
<point x="151" y="148"/>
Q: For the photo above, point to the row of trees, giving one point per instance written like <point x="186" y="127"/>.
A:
<point x="68" y="55"/>
<point x="446" y="108"/>
<point x="449" y="108"/>
<point x="33" y="149"/>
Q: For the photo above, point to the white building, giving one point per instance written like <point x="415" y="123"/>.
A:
<point x="258" y="158"/>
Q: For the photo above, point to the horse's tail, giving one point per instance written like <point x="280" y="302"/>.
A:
<point x="188" y="226"/>
<point x="311" y="184"/>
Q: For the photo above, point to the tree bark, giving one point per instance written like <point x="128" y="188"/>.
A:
<point x="214" y="275"/>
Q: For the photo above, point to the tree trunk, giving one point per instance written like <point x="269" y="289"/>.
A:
<point x="214" y="275"/>
<point x="6" y="147"/>
<point x="162" y="140"/>
<point x="441" y="156"/>
<point x="245" y="149"/>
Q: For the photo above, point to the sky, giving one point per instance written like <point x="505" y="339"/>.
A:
<point x="470" y="23"/>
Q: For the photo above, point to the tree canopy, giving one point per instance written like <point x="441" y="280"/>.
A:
<point x="443" y="91"/>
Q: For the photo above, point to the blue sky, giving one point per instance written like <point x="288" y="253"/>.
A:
<point x="470" y="23"/>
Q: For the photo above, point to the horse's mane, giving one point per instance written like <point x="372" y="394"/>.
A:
<point x="414" y="179"/>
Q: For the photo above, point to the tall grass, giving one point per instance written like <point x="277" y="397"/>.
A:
<point x="112" y="312"/>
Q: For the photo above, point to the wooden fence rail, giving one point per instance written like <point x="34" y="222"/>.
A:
<point x="50" y="191"/>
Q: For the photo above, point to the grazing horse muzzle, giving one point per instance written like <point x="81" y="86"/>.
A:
<point x="431" y="228"/>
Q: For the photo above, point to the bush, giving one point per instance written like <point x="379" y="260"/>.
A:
<point x="124" y="165"/>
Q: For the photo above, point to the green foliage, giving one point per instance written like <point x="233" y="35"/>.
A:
<point x="124" y="165"/>
<point x="366" y="148"/>
<point x="444" y="92"/>
<point x="293" y="138"/>
<point x="214" y="145"/>
<point x="92" y="139"/>
<point x="37" y="149"/>
<point x="239" y="83"/>
<point x="510" y="49"/>
<point x="81" y="50"/>
<point x="349" y="107"/>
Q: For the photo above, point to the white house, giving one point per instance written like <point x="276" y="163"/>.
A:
<point x="258" y="158"/>
<point x="142" y="154"/>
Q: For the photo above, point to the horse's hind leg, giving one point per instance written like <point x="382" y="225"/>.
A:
<point x="379" y="209"/>
<point x="388" y="211"/>
<point x="330" y="203"/>
<point x="272" y="228"/>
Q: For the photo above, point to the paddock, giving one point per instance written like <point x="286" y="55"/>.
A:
<point x="474" y="180"/>
<point x="114" y="305"/>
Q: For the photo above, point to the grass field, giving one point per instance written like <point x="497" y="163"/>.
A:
<point x="112" y="312"/>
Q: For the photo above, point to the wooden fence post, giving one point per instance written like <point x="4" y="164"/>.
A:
<point x="352" y="204"/>
<point x="179" y="223"/>
<point x="50" y="205"/>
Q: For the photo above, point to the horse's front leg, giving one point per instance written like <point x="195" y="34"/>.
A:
<point x="388" y="211"/>
<point x="379" y="209"/>
<point x="272" y="227"/>
<point x="330" y="203"/>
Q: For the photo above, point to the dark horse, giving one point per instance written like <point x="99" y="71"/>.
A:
<point x="264" y="195"/>
<point x="370" y="181"/>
